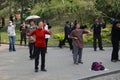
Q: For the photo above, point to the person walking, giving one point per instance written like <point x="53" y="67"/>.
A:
<point x="31" y="42"/>
<point x="23" y="33"/>
<point x="115" y="38"/>
<point x="97" y="33"/>
<point x="78" y="44"/>
<point x="12" y="36"/>
<point x="40" y="45"/>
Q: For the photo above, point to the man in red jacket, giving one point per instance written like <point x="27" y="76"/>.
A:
<point x="40" y="45"/>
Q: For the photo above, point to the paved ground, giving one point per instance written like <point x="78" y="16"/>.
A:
<point x="17" y="66"/>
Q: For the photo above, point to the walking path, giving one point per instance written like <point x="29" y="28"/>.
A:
<point x="59" y="63"/>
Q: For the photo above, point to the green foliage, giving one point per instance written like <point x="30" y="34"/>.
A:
<point x="110" y="8"/>
<point x="79" y="9"/>
<point x="59" y="36"/>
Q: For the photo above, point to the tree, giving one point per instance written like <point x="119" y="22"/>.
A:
<point x="109" y="8"/>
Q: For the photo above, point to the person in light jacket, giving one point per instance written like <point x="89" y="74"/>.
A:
<point x="12" y="36"/>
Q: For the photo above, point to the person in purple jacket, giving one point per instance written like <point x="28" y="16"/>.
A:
<point x="78" y="44"/>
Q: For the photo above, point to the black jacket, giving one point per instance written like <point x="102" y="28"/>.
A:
<point x="97" y="28"/>
<point x="115" y="32"/>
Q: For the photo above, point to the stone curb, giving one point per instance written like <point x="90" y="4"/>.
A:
<point x="100" y="75"/>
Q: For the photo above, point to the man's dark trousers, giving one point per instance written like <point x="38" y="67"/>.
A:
<point x="32" y="50"/>
<point x="115" y="52"/>
<point x="95" y="38"/>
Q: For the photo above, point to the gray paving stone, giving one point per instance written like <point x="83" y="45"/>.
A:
<point x="59" y="63"/>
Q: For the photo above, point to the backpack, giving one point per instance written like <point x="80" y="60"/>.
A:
<point x="97" y="66"/>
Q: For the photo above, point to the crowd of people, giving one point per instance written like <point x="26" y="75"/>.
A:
<point x="39" y="34"/>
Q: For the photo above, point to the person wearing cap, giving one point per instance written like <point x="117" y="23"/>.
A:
<point x="12" y="36"/>
<point x="115" y="38"/>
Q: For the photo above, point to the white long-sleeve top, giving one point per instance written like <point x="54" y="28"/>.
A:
<point x="11" y="30"/>
<point x="46" y="28"/>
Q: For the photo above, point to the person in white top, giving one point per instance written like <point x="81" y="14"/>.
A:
<point x="46" y="36"/>
<point x="11" y="36"/>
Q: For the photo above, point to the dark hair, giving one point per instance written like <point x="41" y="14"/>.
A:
<point x="44" y="21"/>
<point x="22" y="22"/>
<point x="39" y="21"/>
<point x="116" y="22"/>
<point x="31" y="20"/>
<point x="67" y="22"/>
<point x="95" y="19"/>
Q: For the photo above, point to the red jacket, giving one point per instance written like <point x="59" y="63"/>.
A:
<point x="40" y="37"/>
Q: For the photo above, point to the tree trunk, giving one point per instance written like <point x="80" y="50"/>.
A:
<point x="22" y="7"/>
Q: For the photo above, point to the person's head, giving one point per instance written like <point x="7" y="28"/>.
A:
<point x="23" y="23"/>
<point x="10" y="22"/>
<point x="71" y="24"/>
<point x="77" y="26"/>
<point x="31" y="22"/>
<point x="118" y="24"/>
<point x="96" y="20"/>
<point x="40" y="24"/>
<point x="44" y="22"/>
<point x="67" y="22"/>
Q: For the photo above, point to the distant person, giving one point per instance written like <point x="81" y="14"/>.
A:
<point x="67" y="30"/>
<point x="12" y="36"/>
<point x="97" y="33"/>
<point x="115" y="38"/>
<point x="3" y="21"/>
<point x="31" y="42"/>
<point x="23" y="33"/>
<point x="70" y="30"/>
<point x="11" y="17"/>
<point x="47" y="36"/>
<point x="16" y="17"/>
<point x="78" y="44"/>
<point x="40" y="45"/>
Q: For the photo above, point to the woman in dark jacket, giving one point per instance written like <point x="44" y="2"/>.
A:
<point x="115" y="41"/>
<point x="23" y="31"/>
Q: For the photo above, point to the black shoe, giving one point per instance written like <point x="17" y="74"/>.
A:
<point x="113" y="60"/>
<point x="95" y="50"/>
<point x="102" y="49"/>
<point x="80" y="62"/>
<point x="10" y="50"/>
<point x="44" y="70"/>
<point x="36" y="70"/>
<point x="118" y="60"/>
<point x="14" y="50"/>
<point x="76" y="63"/>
